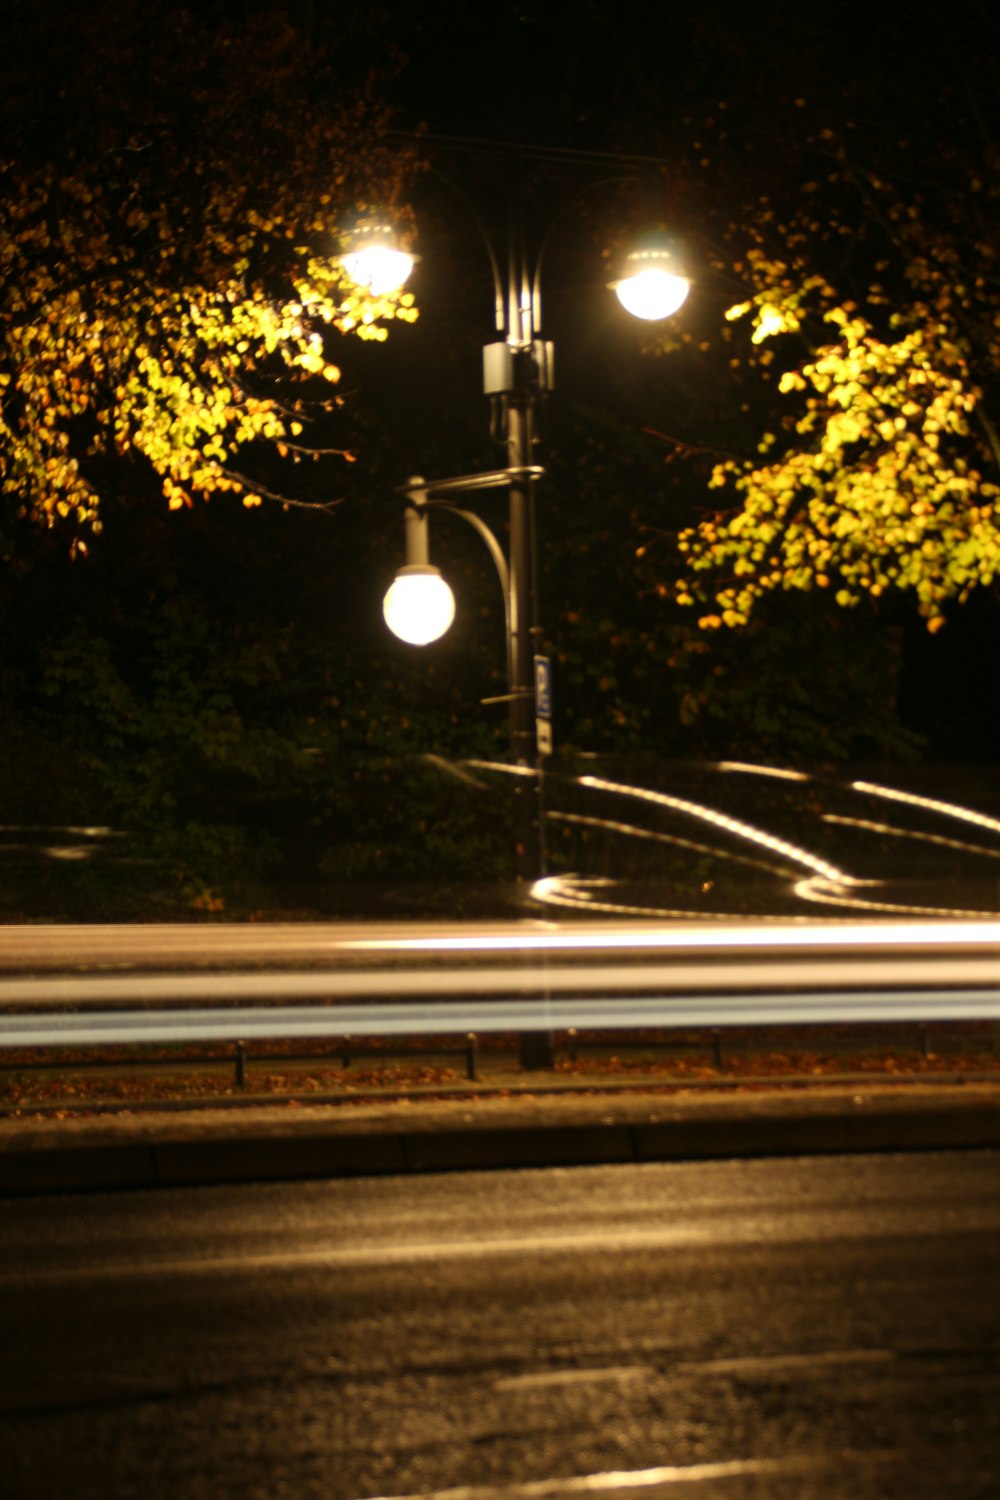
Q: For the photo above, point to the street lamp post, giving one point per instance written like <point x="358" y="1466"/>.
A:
<point x="419" y="607"/>
<point x="517" y="372"/>
<point x="518" y="369"/>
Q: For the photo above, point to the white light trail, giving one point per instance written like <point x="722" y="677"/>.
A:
<point x="203" y="947"/>
<point x="752" y="770"/>
<point x="748" y="933"/>
<point x="578" y="893"/>
<point x="386" y="986"/>
<point x="829" y="893"/>
<point x="573" y="893"/>
<point x="630" y="830"/>
<point x="504" y="1014"/>
<point x="949" y="809"/>
<point x="912" y="833"/>
<point x="499" y="765"/>
<point x="721" y="820"/>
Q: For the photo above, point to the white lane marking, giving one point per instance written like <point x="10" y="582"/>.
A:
<point x="780" y="1229"/>
<point x="534" y="1378"/>
<point x="767" y="1364"/>
<point x="670" y="1474"/>
<point x="365" y="1255"/>
<point x="749" y="1364"/>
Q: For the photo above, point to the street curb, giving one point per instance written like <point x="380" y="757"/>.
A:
<point x="159" y="1154"/>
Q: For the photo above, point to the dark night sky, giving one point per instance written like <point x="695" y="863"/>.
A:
<point x="580" y="73"/>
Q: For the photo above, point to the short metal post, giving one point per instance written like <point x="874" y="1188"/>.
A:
<point x="717" y="1048"/>
<point x="470" y="1057"/>
<point x="571" y="1036"/>
<point x="241" y="1065"/>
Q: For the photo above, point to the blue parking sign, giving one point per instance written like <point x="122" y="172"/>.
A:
<point x="543" y="687"/>
<point x="543" y="704"/>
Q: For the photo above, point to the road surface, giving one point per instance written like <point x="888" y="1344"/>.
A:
<point x="825" y="1327"/>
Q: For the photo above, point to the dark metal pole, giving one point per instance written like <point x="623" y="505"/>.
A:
<point x="516" y="369"/>
<point x="536" y="1048"/>
<point x="522" y="716"/>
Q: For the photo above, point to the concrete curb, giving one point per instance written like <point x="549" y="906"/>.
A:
<point x="268" y="1144"/>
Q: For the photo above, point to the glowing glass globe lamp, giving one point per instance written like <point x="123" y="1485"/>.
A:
<point x="651" y="286"/>
<point x="375" y="261"/>
<point x="419" y="606"/>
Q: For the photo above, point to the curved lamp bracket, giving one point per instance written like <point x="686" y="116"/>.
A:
<point x="422" y="494"/>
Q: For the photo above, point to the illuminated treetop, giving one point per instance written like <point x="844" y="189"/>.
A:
<point x="841" y="201"/>
<point x="174" y="189"/>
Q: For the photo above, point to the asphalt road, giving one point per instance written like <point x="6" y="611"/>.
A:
<point x="825" y="1327"/>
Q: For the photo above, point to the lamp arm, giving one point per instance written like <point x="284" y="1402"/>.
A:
<point x="417" y="545"/>
<point x="536" y="285"/>
<point x="420" y="497"/>
<point x="421" y="494"/>
<point x="499" y="301"/>
<point x="493" y="547"/>
<point x="429" y="491"/>
<point x="495" y="550"/>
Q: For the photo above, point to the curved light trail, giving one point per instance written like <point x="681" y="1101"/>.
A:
<point x="932" y="804"/>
